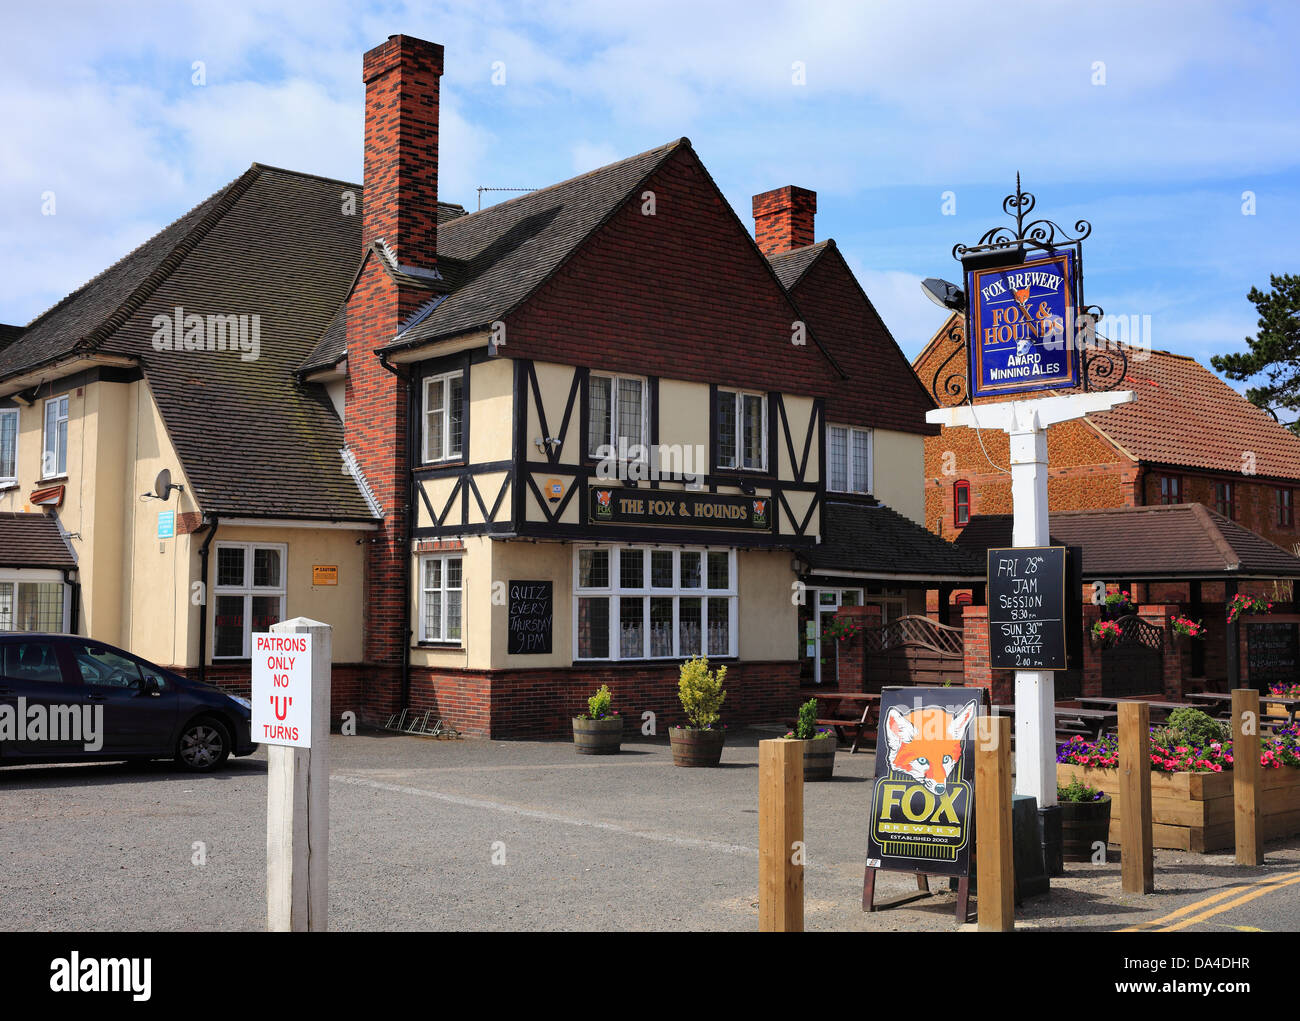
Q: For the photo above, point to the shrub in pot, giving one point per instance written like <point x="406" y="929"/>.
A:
<point x="699" y="743"/>
<point x="818" y="743"/>
<point x="598" y="731"/>
<point x="1085" y="820"/>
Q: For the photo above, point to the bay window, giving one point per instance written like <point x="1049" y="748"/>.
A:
<point x="634" y="602"/>
<point x="444" y="416"/>
<point x="848" y="459"/>
<point x="741" y="430"/>
<point x="248" y="595"/>
<point x="441" y="591"/>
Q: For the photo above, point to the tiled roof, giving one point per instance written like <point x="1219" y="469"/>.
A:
<point x="870" y="538"/>
<point x="1187" y="540"/>
<point x="792" y="265"/>
<point x="253" y="440"/>
<point x="33" y="540"/>
<point x="1184" y="416"/>
<point x="498" y="256"/>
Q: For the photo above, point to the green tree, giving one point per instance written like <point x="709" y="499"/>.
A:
<point x="1274" y="352"/>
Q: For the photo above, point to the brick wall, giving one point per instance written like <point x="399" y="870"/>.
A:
<point x="349" y="683"/>
<point x="852" y="675"/>
<point x="784" y="219"/>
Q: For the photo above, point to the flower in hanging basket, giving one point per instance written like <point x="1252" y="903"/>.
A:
<point x="1118" y="598"/>
<point x="1243" y="603"/>
<point x="1188" y="627"/>
<point x="1106" y="631"/>
<point x="841" y="629"/>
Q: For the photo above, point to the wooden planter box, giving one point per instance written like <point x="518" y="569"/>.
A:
<point x="1194" y="811"/>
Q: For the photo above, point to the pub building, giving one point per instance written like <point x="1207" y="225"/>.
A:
<point x="571" y="439"/>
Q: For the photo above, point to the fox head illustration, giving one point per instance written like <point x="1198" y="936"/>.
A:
<point x="926" y="743"/>
<point x="1022" y="295"/>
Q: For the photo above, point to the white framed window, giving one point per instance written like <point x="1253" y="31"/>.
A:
<point x="444" y="416"/>
<point x="442" y="586"/>
<point x="8" y="446"/>
<point x="848" y="459"/>
<point x="247" y="595"/>
<point x="54" y="455"/>
<point x="616" y="417"/>
<point x="643" y="602"/>
<point x="741" y="430"/>
<point x="33" y="601"/>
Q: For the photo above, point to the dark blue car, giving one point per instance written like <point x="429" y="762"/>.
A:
<point x="64" y="698"/>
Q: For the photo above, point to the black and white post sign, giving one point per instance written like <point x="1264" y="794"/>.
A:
<point x="1027" y="608"/>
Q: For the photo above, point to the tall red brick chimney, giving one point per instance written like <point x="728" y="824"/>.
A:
<point x="400" y="206"/>
<point x="783" y="219"/>
<point x="401" y="170"/>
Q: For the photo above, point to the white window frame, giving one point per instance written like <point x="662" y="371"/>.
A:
<point x="611" y="438"/>
<point x="444" y="588"/>
<point x="615" y="592"/>
<point x="59" y="470"/>
<point x="10" y="480"/>
<point x="850" y="481"/>
<point x="738" y="454"/>
<point x="11" y="578"/>
<point x="247" y="589"/>
<point x="446" y="454"/>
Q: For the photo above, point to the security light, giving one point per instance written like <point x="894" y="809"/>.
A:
<point x="944" y="294"/>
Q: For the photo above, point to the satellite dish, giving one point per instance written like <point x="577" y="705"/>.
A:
<point x="163" y="485"/>
<point x="944" y="294"/>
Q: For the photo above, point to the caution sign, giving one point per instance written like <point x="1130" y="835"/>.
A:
<point x="282" y="689"/>
<point x="923" y="799"/>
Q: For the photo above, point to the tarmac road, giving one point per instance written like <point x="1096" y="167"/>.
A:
<point x="476" y="834"/>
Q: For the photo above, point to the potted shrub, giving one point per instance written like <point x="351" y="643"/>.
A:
<point x="818" y="743"/>
<point x="598" y="731"/>
<point x="699" y="743"/>
<point x="1085" y="819"/>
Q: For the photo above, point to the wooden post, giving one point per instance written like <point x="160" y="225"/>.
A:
<point x="297" y="804"/>
<point x="1246" y="776"/>
<point x="994" y="859"/>
<point x="780" y="829"/>
<point x="1137" y="864"/>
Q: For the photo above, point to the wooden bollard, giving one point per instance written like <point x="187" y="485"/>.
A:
<point x="1246" y="775"/>
<point x="1137" y="862"/>
<point x="780" y="836"/>
<point x="994" y="858"/>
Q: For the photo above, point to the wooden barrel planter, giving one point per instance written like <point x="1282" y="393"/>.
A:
<point x="819" y="758"/>
<point x="1084" y="824"/>
<point x="696" y="747"/>
<point x="597" y="737"/>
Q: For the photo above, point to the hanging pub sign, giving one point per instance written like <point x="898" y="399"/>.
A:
<point x="1021" y="322"/>
<point x="923" y="800"/>
<point x="621" y="506"/>
<point x="1035" y="607"/>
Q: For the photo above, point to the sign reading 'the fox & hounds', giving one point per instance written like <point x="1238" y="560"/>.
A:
<point x="1022" y="322"/>
<point x="923" y="799"/>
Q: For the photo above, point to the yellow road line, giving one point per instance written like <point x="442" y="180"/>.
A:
<point x="1268" y="883"/>
<point x="1231" y="904"/>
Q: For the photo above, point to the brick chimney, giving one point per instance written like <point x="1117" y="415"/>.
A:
<point x="401" y="170"/>
<point x="783" y="219"/>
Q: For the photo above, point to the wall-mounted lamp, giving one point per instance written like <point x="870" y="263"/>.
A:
<point x="546" y="443"/>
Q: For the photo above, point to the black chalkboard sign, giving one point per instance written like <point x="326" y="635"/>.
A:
<point x="532" y="606"/>
<point x="1273" y="653"/>
<point x="1028" y="609"/>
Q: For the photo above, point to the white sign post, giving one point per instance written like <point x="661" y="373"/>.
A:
<point x="291" y="714"/>
<point x="1026" y="423"/>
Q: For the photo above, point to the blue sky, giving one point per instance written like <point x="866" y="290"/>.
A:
<point x="901" y="103"/>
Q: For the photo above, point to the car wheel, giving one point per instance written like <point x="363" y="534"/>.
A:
<point x="204" y="745"/>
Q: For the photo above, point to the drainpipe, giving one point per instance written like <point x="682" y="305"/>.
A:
<point x="407" y="531"/>
<point x="203" y="606"/>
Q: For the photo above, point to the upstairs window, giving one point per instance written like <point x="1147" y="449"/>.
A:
<point x="961" y="504"/>
<point x="444" y="416"/>
<point x="8" y="446"/>
<point x="1225" y="499"/>
<point x="848" y="459"/>
<point x="742" y="430"/>
<point x="54" y="459"/>
<point x="616" y="417"/>
<point x="1171" y="489"/>
<point x="1285" y="508"/>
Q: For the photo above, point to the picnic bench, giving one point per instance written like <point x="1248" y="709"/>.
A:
<point x="1091" y="723"/>
<point x="839" y="709"/>
<point x="1221" y="703"/>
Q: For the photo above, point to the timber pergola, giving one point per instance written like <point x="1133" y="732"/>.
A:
<point x="1185" y="542"/>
